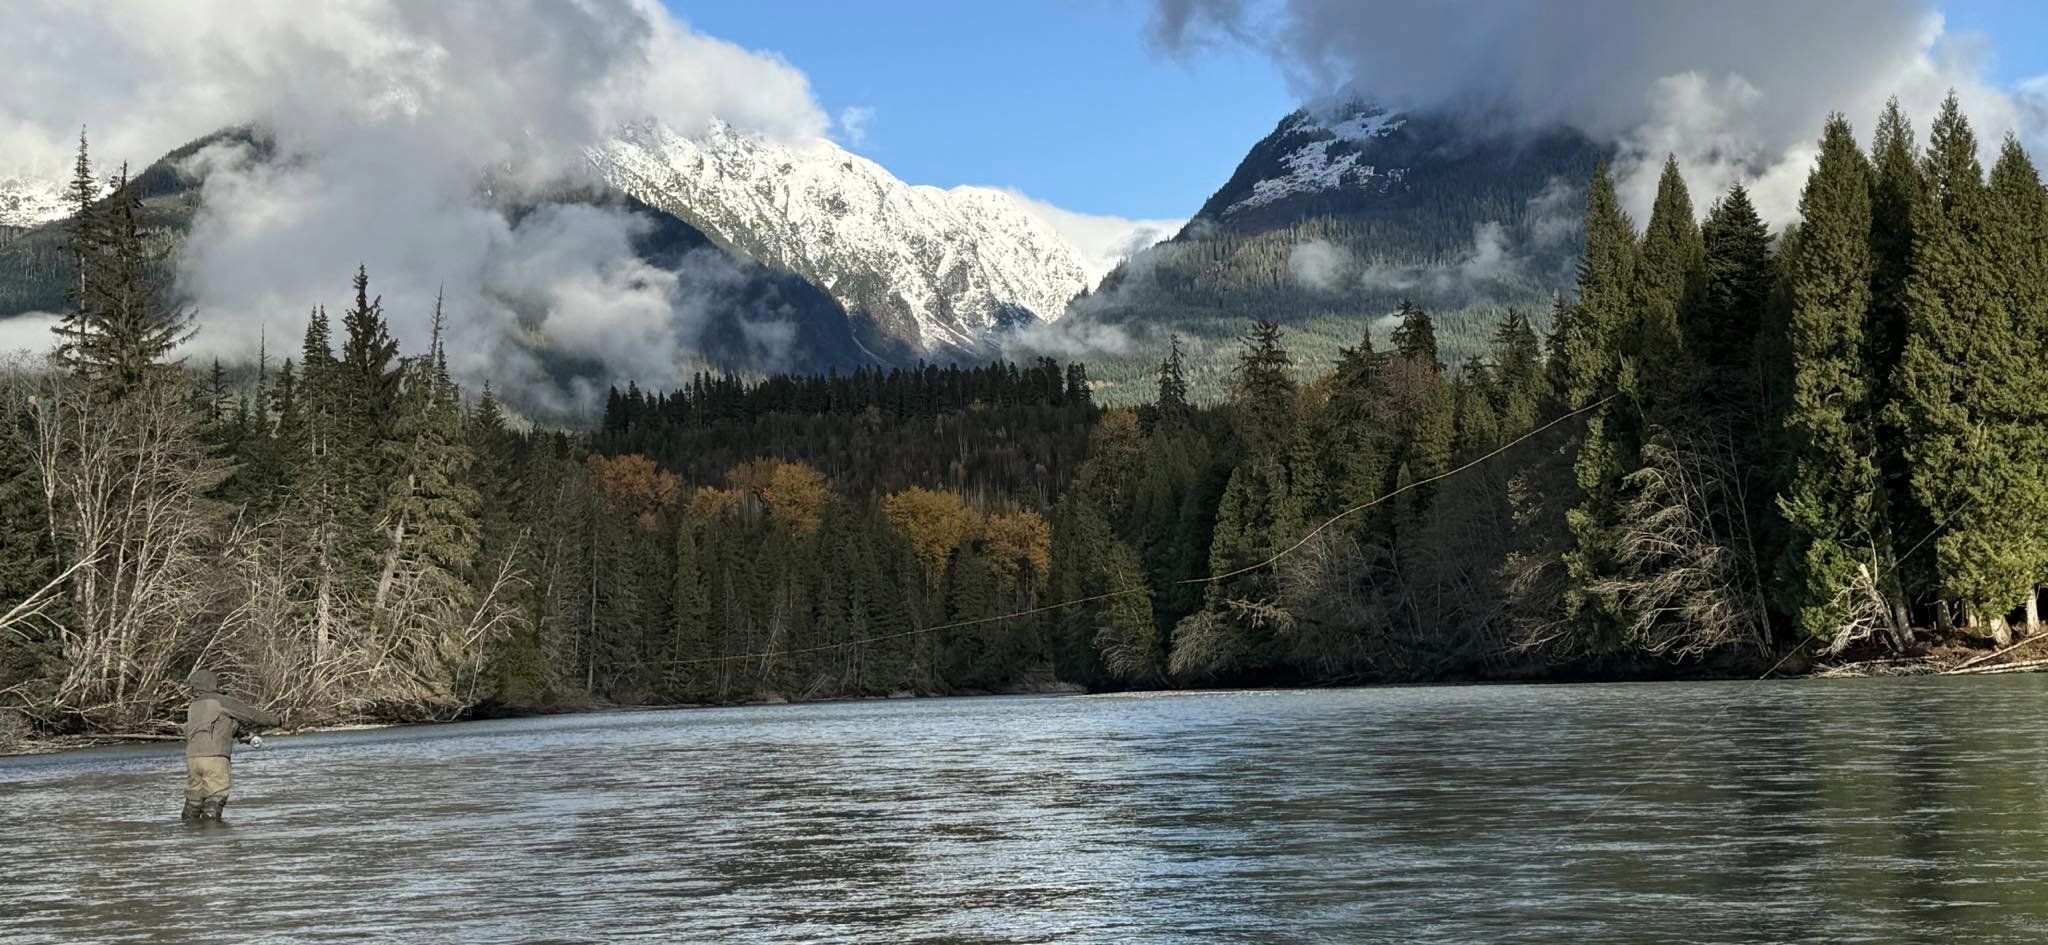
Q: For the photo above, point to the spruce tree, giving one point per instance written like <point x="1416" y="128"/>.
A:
<point x="1476" y="419"/>
<point x="123" y="326"/>
<point x="1667" y="281"/>
<point x="1172" y="405"/>
<point x="1830" y="501"/>
<point x="1592" y="351"/>
<point x="429" y="510"/>
<point x="1955" y="369"/>
<point x="1896" y="188"/>
<point x="82" y="231"/>
<point x="1518" y="373"/>
<point x="367" y="381"/>
<point x="1722" y="329"/>
<point x="1263" y="391"/>
<point x="2021" y="262"/>
<point x="1415" y="336"/>
<point x="321" y="499"/>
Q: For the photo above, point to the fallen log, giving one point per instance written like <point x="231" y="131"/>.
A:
<point x="2024" y="666"/>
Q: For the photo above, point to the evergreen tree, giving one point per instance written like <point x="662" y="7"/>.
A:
<point x="429" y="510"/>
<point x="82" y="234"/>
<point x="692" y="635"/>
<point x="1264" y="391"/>
<point x="1415" y="337"/>
<point x="1830" y="502"/>
<point x="1897" y="187"/>
<point x="1518" y="373"/>
<point x="1171" y="406"/>
<point x="1476" y="420"/>
<point x="28" y="556"/>
<point x="367" y="382"/>
<point x="1958" y="359"/>
<point x="1592" y="355"/>
<point x="1667" y="281"/>
<point x="123" y="327"/>
<point x="1722" y="330"/>
<point x="324" y="486"/>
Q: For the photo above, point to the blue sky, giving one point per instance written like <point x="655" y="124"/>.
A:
<point x="1061" y="99"/>
<point x="1066" y="101"/>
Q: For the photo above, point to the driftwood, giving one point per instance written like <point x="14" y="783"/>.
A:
<point x="2024" y="666"/>
<point x="1991" y="655"/>
<point x="1898" y="666"/>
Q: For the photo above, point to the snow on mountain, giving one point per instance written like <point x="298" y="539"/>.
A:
<point x="936" y="267"/>
<point x="26" y="202"/>
<point x="1324" y="155"/>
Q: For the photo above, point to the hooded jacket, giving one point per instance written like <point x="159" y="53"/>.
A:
<point x="210" y="722"/>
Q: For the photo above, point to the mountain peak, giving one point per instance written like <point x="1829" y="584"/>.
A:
<point x="945" y="269"/>
<point x="26" y="202"/>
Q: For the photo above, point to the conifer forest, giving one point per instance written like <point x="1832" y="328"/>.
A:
<point x="1729" y="451"/>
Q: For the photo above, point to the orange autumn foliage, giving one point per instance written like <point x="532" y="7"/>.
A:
<point x="633" y="485"/>
<point x="937" y="524"/>
<point x="796" y="496"/>
<point x="708" y="505"/>
<point x="1016" y="541"/>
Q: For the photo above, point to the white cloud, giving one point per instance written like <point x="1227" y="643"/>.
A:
<point x="1102" y="241"/>
<point x="28" y="334"/>
<point x="387" y="115"/>
<point x="1737" y="90"/>
<point x="854" y="122"/>
<point x="1319" y="264"/>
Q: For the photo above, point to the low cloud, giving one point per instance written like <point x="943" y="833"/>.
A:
<point x="1069" y="339"/>
<point x="1492" y="259"/>
<point x="1556" y="215"/>
<point x="1737" y="91"/>
<point x="1319" y="264"/>
<point x="28" y="335"/>
<point x="854" y="122"/>
<point x="427" y="141"/>
<point x="1102" y="241"/>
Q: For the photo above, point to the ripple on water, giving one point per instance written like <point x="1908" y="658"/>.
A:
<point x="1880" y="811"/>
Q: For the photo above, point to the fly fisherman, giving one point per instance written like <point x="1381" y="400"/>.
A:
<point x="210" y="732"/>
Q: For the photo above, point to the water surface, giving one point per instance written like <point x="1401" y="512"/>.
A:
<point x="1903" y="810"/>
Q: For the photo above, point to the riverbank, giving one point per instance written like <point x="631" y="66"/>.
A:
<point x="18" y="746"/>
<point x="1951" y="658"/>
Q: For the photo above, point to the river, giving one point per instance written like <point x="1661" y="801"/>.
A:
<point x="1895" y="810"/>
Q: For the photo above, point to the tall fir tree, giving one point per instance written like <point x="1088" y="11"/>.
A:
<point x="1594" y="364"/>
<point x="1415" y="336"/>
<point x="1897" y="186"/>
<point x="123" y="325"/>
<point x="1723" y="329"/>
<point x="1668" y="280"/>
<point x="1263" y="394"/>
<point x="1171" y="406"/>
<point x="429" y="510"/>
<point x="1959" y="356"/>
<point x="1834" y="553"/>
<point x="1518" y="373"/>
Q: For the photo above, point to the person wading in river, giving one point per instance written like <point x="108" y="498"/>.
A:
<point x="210" y="732"/>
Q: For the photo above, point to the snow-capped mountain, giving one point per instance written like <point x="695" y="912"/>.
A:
<point x="1331" y="221"/>
<point x="1324" y="153"/>
<point x="26" y="202"/>
<point x="941" y="269"/>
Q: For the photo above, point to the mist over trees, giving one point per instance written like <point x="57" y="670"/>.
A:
<point x="1731" y="446"/>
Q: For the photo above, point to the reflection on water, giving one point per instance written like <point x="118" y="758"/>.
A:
<point x="1872" y="811"/>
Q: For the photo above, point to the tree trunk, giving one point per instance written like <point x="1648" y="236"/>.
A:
<point x="390" y="565"/>
<point x="1943" y="619"/>
<point x="2033" y="611"/>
